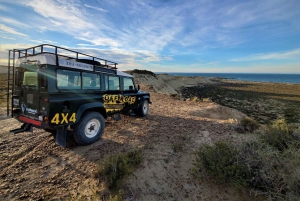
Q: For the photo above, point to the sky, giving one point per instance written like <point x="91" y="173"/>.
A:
<point x="203" y="36"/>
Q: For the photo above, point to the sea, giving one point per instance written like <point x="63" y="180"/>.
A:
<point x="250" y="77"/>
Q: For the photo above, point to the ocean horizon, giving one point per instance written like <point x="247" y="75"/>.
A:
<point x="250" y="77"/>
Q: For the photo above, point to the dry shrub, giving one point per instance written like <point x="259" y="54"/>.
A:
<point x="196" y="99"/>
<point x="247" y="124"/>
<point x="269" y="164"/>
<point x="178" y="146"/>
<point x="278" y="135"/>
<point x="115" y="168"/>
<point x="221" y="161"/>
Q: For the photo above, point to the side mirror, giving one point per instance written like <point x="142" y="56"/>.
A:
<point x="138" y="87"/>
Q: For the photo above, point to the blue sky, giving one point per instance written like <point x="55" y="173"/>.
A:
<point x="221" y="36"/>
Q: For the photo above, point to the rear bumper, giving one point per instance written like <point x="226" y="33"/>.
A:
<point x="33" y="122"/>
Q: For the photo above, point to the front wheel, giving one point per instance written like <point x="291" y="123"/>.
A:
<point x="89" y="129"/>
<point x="144" y="108"/>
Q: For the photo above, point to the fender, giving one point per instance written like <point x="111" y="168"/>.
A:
<point x="146" y="97"/>
<point x="87" y="106"/>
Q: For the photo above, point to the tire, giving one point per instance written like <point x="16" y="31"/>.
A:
<point x="144" y="108"/>
<point x="89" y="129"/>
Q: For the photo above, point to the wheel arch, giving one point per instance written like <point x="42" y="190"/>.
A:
<point x="95" y="107"/>
<point x="147" y="97"/>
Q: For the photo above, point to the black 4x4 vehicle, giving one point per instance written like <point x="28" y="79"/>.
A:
<point x="55" y="88"/>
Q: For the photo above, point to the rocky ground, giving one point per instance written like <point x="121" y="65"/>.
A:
<point x="33" y="167"/>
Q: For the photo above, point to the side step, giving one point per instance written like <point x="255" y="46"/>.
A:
<point x="25" y="127"/>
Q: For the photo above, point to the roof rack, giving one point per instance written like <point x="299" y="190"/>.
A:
<point x="66" y="53"/>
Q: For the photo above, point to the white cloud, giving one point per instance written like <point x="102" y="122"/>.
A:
<point x="231" y="23"/>
<point x="11" y="21"/>
<point x="3" y="8"/>
<point x="4" y="50"/>
<point x="65" y="13"/>
<point x="8" y="38"/>
<point x="95" y="8"/>
<point x="97" y="41"/>
<point x="56" y="23"/>
<point x="271" y="56"/>
<point x="10" y="30"/>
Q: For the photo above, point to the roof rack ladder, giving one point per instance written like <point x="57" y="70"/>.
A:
<point x="10" y="82"/>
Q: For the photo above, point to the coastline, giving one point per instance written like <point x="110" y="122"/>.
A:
<point x="262" y="101"/>
<point x="251" y="77"/>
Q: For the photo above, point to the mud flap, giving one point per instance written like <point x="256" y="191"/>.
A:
<point x="61" y="136"/>
<point x="25" y="127"/>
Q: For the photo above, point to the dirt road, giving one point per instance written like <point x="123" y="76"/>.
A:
<point x="33" y="167"/>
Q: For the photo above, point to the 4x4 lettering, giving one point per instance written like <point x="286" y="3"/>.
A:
<point x="55" y="119"/>
<point x="64" y="118"/>
<point x="73" y="118"/>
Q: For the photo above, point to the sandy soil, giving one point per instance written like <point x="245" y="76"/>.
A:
<point x="33" y="167"/>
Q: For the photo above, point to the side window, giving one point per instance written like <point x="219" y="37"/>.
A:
<point x="113" y="83"/>
<point x="90" y="81"/>
<point x="128" y="84"/>
<point x="68" y="79"/>
<point x="106" y="82"/>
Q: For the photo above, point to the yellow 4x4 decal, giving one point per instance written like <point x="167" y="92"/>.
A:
<point x="64" y="118"/>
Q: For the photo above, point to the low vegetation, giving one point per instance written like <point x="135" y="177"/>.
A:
<point x="264" y="102"/>
<point x="246" y="125"/>
<point x="178" y="146"/>
<point x="116" y="167"/>
<point x="269" y="164"/>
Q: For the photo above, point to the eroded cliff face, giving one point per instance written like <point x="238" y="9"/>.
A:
<point x="168" y="84"/>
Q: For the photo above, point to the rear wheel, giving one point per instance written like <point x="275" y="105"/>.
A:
<point x="89" y="129"/>
<point x="144" y="108"/>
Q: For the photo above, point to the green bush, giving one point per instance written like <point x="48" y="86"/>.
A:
<point x="221" y="161"/>
<point x="278" y="135"/>
<point x="247" y="124"/>
<point x="269" y="163"/>
<point x="115" y="168"/>
<point x="262" y="162"/>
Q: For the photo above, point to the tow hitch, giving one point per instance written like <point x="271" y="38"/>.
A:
<point x="25" y="127"/>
